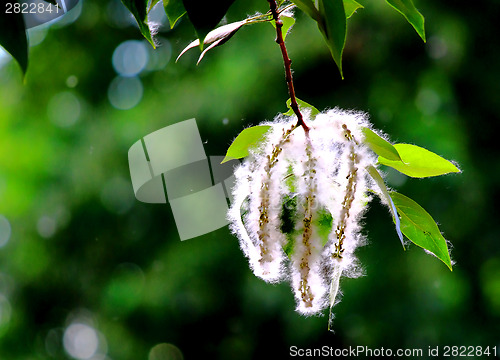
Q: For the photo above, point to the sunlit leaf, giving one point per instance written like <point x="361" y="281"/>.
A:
<point x="420" y="227"/>
<point x="302" y="106"/>
<point x="419" y="162"/>
<point x="248" y="139"/>
<point x="384" y="196"/>
<point x="333" y="27"/>
<point x="288" y="22"/>
<point x="205" y="15"/>
<point x="13" y="37"/>
<point x="379" y="145"/>
<point x="138" y="8"/>
<point x="174" y="10"/>
<point x="215" y="38"/>
<point x="411" y="14"/>
<point x="350" y="7"/>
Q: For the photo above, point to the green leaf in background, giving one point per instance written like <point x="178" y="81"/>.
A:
<point x="302" y="106"/>
<point x="249" y="138"/>
<point x="412" y="15"/>
<point x="420" y="227"/>
<point x="385" y="197"/>
<point x="13" y="37"/>
<point x="334" y="28"/>
<point x="419" y="162"/>
<point x="174" y="10"/>
<point x="350" y="7"/>
<point x="205" y="15"/>
<point x="288" y="22"/>
<point x="309" y="8"/>
<point x="379" y="145"/>
<point x="138" y="8"/>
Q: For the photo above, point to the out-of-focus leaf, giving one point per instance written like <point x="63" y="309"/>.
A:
<point x="385" y="197"/>
<point x="419" y="162"/>
<point x="288" y="22"/>
<point x="350" y="7"/>
<point x="334" y="28"/>
<point x="215" y="38"/>
<point x="13" y="37"/>
<point x="379" y="145"/>
<point x="420" y="227"/>
<point x="174" y="10"/>
<point x="138" y="8"/>
<point x="302" y="106"/>
<point x="411" y="14"/>
<point x="205" y="15"/>
<point x="249" y="138"/>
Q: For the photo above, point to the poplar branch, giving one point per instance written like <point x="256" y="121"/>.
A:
<point x="287" y="63"/>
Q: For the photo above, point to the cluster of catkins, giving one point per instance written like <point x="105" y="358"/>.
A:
<point x="298" y="201"/>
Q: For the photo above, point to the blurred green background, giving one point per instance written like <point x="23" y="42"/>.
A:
<point x="83" y="262"/>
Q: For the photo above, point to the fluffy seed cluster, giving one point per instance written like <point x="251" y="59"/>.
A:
<point x="298" y="201"/>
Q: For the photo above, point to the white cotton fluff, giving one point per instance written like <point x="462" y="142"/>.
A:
<point x="327" y="170"/>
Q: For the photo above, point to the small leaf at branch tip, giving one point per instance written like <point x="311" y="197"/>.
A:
<point x="302" y="106"/>
<point x="214" y="38"/>
<point x="248" y="139"/>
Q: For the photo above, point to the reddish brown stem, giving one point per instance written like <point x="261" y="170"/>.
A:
<point x="287" y="62"/>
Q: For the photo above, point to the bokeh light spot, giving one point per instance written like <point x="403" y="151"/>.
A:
<point x="130" y="58"/>
<point x="46" y="226"/>
<point x="72" y="81"/>
<point x="64" y="109"/>
<point x="80" y="341"/>
<point x="165" y="351"/>
<point x="159" y="57"/>
<point x="125" y="93"/>
<point x="428" y="101"/>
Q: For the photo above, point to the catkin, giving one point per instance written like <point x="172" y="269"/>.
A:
<point x="326" y="168"/>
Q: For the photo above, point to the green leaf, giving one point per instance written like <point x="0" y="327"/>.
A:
<point x="138" y="8"/>
<point x="13" y="37"/>
<point x="350" y="7"/>
<point x="379" y="145"/>
<point x="419" y="162"/>
<point x="287" y="21"/>
<point x="174" y="10"/>
<point x="412" y="15"/>
<point x="302" y="106"/>
<point x="248" y="139"/>
<point x="308" y="7"/>
<point x="420" y="227"/>
<point x="334" y="28"/>
<point x="385" y="197"/>
<point x="205" y="15"/>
